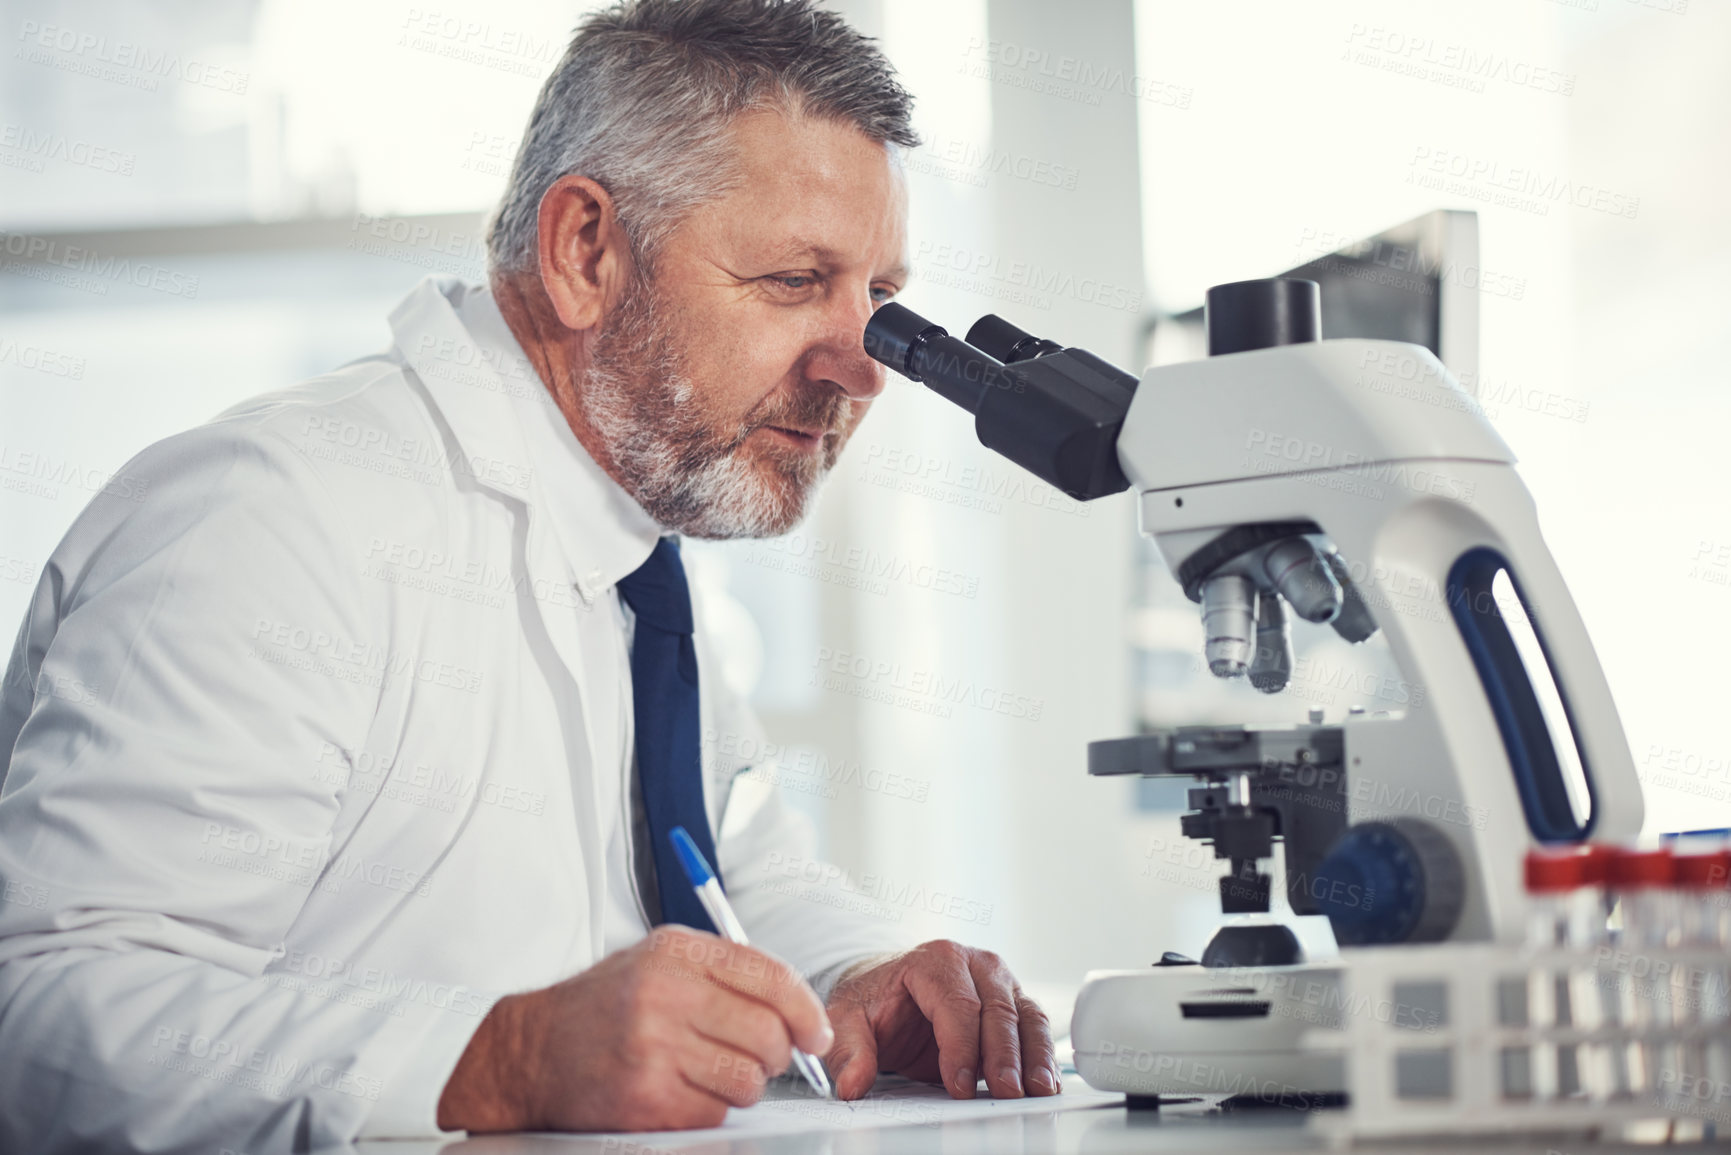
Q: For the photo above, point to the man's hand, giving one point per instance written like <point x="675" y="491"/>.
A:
<point x="943" y="1013"/>
<point x="664" y="1035"/>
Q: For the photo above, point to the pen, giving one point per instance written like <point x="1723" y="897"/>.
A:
<point x="715" y="902"/>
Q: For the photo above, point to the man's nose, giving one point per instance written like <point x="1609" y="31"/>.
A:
<point x="846" y="363"/>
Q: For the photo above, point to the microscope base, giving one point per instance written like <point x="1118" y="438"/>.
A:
<point x="1197" y="1030"/>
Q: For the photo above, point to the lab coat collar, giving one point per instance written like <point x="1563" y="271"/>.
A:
<point x="601" y="527"/>
<point x="514" y="438"/>
<point x="469" y="391"/>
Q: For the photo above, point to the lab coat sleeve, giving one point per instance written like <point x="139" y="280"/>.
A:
<point x="190" y="649"/>
<point x="792" y="903"/>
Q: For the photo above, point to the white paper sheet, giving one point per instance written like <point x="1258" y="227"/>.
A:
<point x="894" y="1102"/>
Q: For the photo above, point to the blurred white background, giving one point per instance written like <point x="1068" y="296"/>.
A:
<point x="1087" y="165"/>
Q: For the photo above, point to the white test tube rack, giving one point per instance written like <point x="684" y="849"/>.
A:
<point x="1451" y="1063"/>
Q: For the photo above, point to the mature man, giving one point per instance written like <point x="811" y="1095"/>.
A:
<point x="340" y="767"/>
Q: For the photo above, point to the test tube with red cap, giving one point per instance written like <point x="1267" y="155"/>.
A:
<point x="1703" y="883"/>
<point x="1643" y="885"/>
<point x="1698" y="982"/>
<point x="1544" y="1070"/>
<point x="1644" y="882"/>
<point x="1566" y="909"/>
<point x="1596" y="1001"/>
<point x="1551" y="879"/>
<point x="1565" y="896"/>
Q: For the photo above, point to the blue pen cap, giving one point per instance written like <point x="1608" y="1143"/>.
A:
<point x="690" y="857"/>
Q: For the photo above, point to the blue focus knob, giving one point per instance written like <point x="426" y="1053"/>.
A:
<point x="1391" y="882"/>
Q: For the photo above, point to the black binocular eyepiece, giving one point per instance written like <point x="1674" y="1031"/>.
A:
<point x="1055" y="411"/>
<point x="996" y="337"/>
<point x="925" y="352"/>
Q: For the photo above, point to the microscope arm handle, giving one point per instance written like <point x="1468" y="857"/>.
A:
<point x="1515" y="692"/>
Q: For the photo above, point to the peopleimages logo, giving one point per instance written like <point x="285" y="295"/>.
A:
<point x="35" y="250"/>
<point x="384" y="982"/>
<point x="826" y="878"/>
<point x="40" y="474"/>
<point x="1420" y="478"/>
<point x="366" y="662"/>
<point x="825" y="559"/>
<point x="924" y="691"/>
<point x="933" y="257"/>
<point x="1327" y="247"/>
<point x="984" y="486"/>
<point x="803" y="768"/>
<point x="38" y="146"/>
<point x="255" y="1068"/>
<point x="967" y="160"/>
<point x="41" y="360"/>
<point x="1455" y="65"/>
<point x="1518" y="186"/>
<point x="121" y="61"/>
<point x="1063" y="76"/>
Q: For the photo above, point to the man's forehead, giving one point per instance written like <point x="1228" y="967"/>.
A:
<point x="771" y="143"/>
<point x="813" y="189"/>
<point x="803" y="250"/>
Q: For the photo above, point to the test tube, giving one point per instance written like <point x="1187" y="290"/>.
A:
<point x="1719" y="1045"/>
<point x="1701" y="894"/>
<point x="1553" y="875"/>
<point x="1644" y="884"/>
<point x="1566" y="911"/>
<point x="1698" y="987"/>
<point x="1545" y="1070"/>
<point x="1595" y="995"/>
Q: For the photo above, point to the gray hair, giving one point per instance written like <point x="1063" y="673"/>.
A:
<point x="642" y="100"/>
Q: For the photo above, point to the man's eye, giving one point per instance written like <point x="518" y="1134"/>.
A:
<point x="882" y="293"/>
<point x="794" y="281"/>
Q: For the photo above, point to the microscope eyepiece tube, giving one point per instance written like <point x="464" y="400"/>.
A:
<point x="998" y="338"/>
<point x="894" y="332"/>
<point x="921" y="351"/>
<point x="1056" y="412"/>
<point x="1228" y="624"/>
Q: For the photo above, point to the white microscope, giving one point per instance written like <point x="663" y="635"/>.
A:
<point x="1354" y="483"/>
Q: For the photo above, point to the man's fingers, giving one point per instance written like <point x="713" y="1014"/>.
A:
<point x="755" y="974"/>
<point x="943" y="989"/>
<point x="1039" y="1056"/>
<point x="744" y="1024"/>
<point x="853" y="1061"/>
<point x="729" y="1074"/>
<point x="1000" y="1037"/>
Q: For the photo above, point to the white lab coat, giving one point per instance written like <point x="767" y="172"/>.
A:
<point x="275" y="833"/>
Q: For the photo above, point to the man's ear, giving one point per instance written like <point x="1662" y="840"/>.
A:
<point x="583" y="249"/>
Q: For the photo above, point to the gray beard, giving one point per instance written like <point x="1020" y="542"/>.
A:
<point x="690" y="476"/>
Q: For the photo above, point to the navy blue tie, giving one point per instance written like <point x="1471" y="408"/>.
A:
<point x="664" y="704"/>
